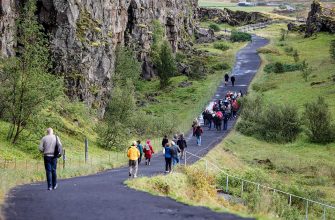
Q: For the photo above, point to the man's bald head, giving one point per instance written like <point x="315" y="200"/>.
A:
<point x="50" y="131"/>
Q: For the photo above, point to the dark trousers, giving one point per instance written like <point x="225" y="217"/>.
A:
<point x="225" y="124"/>
<point x="50" y="164"/>
<point x="140" y="159"/>
<point x="168" y="163"/>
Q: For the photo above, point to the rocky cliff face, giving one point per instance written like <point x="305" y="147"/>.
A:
<point x="231" y="17"/>
<point x="7" y="27"/>
<point x="85" y="34"/>
<point x="320" y="19"/>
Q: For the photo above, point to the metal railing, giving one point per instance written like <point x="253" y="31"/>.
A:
<point x="307" y="202"/>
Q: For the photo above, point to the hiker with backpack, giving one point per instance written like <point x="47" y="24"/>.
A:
<point x="194" y="125"/>
<point x="198" y="132"/>
<point x="133" y="155"/>
<point x="140" y="149"/>
<point x="148" y="151"/>
<point x="168" y="158"/>
<point x="52" y="149"/>
<point x="175" y="150"/>
<point x="182" y="145"/>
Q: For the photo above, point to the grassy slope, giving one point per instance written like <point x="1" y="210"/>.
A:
<point x="301" y="167"/>
<point x="185" y="103"/>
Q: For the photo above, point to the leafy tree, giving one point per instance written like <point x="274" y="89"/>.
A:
<point x="332" y="49"/>
<point x="115" y="130"/>
<point x="296" y="56"/>
<point x="25" y="84"/>
<point x="318" y="122"/>
<point x="305" y="70"/>
<point x="116" y="126"/>
<point x="166" y="64"/>
<point x="127" y="67"/>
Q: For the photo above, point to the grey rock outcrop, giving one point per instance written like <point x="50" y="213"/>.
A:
<point x="230" y="17"/>
<point x="7" y="27"/>
<point x="85" y="34"/>
<point x="320" y="19"/>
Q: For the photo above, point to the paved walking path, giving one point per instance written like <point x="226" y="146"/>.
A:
<point x="104" y="196"/>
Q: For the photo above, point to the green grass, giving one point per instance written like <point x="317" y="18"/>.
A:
<point x="233" y="6"/>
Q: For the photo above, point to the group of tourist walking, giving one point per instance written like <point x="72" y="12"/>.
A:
<point x="222" y="111"/>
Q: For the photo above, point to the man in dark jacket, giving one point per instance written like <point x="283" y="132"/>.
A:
<point x="47" y="147"/>
<point x="226" y="79"/>
<point x="232" y="79"/>
<point x="182" y="145"/>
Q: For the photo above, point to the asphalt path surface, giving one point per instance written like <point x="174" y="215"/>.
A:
<point x="104" y="195"/>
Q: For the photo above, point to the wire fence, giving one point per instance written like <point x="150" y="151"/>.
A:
<point x="321" y="210"/>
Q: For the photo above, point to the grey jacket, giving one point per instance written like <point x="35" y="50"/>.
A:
<point x="48" y="144"/>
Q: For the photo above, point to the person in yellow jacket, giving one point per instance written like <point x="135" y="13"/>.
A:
<point x="133" y="155"/>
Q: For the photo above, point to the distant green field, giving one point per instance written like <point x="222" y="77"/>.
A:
<point x="233" y="6"/>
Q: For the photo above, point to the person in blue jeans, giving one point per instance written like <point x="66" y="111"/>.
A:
<point x="168" y="158"/>
<point x="47" y="147"/>
<point x="198" y="132"/>
<point x="175" y="153"/>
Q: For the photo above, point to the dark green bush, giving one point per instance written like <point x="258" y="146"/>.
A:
<point x="279" y="123"/>
<point x="237" y="36"/>
<point x="279" y="67"/>
<point x="276" y="123"/>
<point x="215" y="27"/>
<point x="318" y="122"/>
<point x="220" y="66"/>
<point x="221" y="46"/>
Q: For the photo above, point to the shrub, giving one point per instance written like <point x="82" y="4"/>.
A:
<point x="221" y="46"/>
<point x="296" y="56"/>
<point x="237" y="36"/>
<point x="215" y="27"/>
<point x="317" y="119"/>
<point x="305" y="70"/>
<point x="277" y="123"/>
<point x="279" y="67"/>
<point x="220" y="66"/>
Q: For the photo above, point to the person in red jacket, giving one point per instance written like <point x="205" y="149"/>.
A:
<point x="148" y="151"/>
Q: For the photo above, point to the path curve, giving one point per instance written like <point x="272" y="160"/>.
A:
<point x="104" y="196"/>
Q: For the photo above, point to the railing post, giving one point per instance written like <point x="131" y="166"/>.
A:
<point x="227" y="184"/>
<point x="185" y="158"/>
<point x="290" y="200"/>
<point x="306" y="209"/>
<point x="324" y="213"/>
<point x="242" y="187"/>
<point x="64" y="159"/>
<point x="86" y="150"/>
<point x="206" y="166"/>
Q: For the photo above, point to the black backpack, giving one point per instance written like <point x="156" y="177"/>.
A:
<point x="58" y="149"/>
